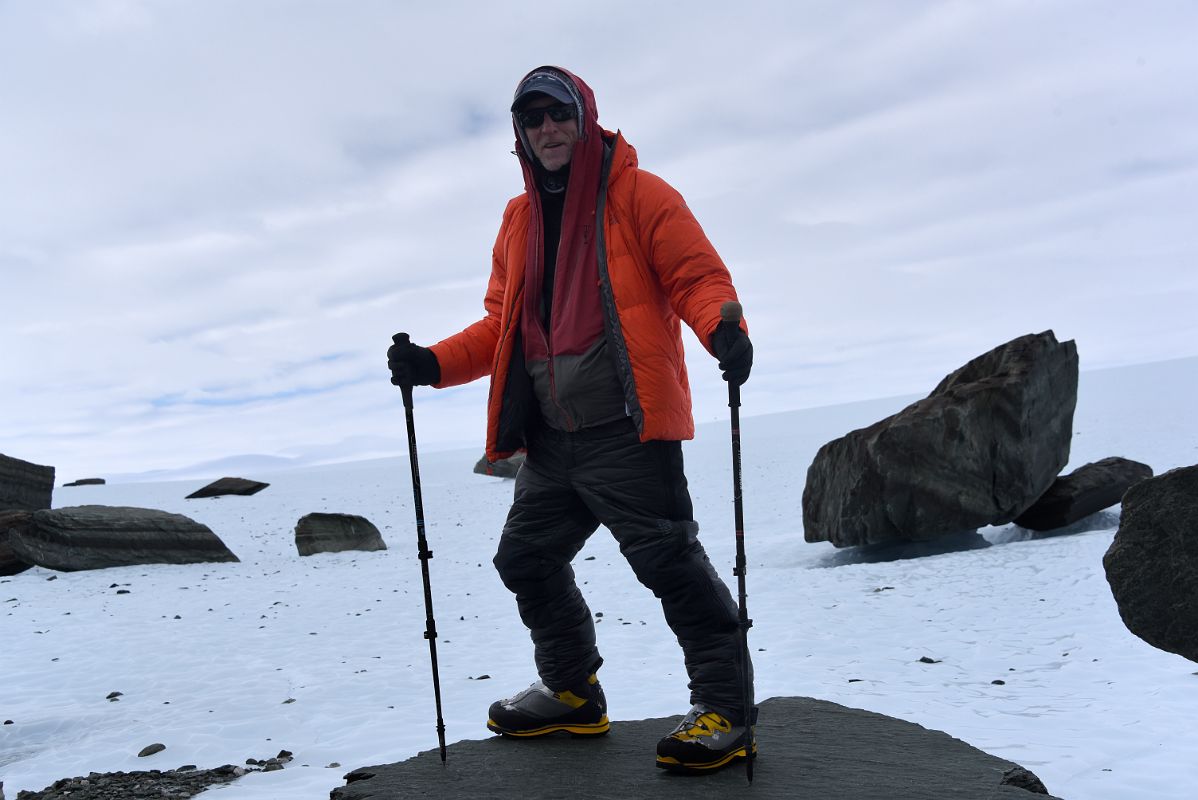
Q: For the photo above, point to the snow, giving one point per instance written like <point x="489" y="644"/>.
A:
<point x="324" y="655"/>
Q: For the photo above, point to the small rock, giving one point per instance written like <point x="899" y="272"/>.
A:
<point x="150" y="750"/>
<point x="999" y="683"/>
<point x="112" y="696"/>
<point x="926" y="660"/>
<point x="1020" y="778"/>
<point x="333" y="533"/>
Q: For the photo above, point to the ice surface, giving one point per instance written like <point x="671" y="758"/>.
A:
<point x="324" y="655"/>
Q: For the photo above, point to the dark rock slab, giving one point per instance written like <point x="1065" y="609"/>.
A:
<point x="979" y="450"/>
<point x="224" y="486"/>
<point x="86" y="482"/>
<point x="808" y="749"/>
<point x="503" y="468"/>
<point x="335" y="533"/>
<point x="1085" y="491"/>
<point x="10" y="563"/>
<point x="1152" y="564"/>
<point x="96" y="537"/>
<point x="24" y="486"/>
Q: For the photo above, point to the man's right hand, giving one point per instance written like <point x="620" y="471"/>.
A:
<point x="411" y="364"/>
<point x="734" y="350"/>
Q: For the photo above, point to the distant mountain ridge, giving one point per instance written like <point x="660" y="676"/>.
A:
<point x="1115" y="389"/>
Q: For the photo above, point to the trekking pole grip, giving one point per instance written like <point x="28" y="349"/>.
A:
<point x="732" y="311"/>
<point x="404" y="388"/>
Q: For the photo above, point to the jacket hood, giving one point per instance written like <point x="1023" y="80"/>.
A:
<point x="584" y="103"/>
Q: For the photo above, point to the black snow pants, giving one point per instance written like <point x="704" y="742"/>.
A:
<point x="569" y="484"/>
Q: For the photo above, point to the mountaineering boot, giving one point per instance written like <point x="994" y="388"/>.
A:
<point x="539" y="710"/>
<point x="704" y="741"/>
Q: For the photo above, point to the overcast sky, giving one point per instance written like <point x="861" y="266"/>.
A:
<point x="213" y="215"/>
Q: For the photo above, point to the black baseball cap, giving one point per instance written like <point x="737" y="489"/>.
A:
<point x="542" y="82"/>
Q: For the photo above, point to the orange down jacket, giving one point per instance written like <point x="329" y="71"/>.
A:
<point x="656" y="267"/>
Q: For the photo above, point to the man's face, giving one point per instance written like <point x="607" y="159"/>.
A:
<point x="552" y="142"/>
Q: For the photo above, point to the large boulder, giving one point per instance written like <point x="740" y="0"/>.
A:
<point x="224" y="486"/>
<point x="10" y="563"/>
<point x="977" y="451"/>
<point x="1087" y="490"/>
<point x="334" y="533"/>
<point x="24" y="486"/>
<point x="95" y="537"/>
<point x="1152" y="565"/>
<point x="503" y="468"/>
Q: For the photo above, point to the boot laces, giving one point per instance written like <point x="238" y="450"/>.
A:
<point x="701" y="722"/>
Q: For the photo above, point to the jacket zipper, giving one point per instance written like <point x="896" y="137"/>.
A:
<point x="611" y="318"/>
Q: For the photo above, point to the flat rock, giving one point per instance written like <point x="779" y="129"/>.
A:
<point x="86" y="482"/>
<point x="503" y="468"/>
<point x="95" y="537"/>
<point x="808" y="749"/>
<point x="224" y="486"/>
<point x="1152" y="563"/>
<point x="1087" y="490"/>
<point x="24" y="486"/>
<point x="335" y="533"/>
<point x="979" y="450"/>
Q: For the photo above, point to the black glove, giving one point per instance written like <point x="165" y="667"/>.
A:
<point x="411" y="364"/>
<point x="734" y="350"/>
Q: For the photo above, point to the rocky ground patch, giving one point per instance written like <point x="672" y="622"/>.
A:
<point x="175" y="784"/>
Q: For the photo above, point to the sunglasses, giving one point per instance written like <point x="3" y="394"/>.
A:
<point x="535" y="117"/>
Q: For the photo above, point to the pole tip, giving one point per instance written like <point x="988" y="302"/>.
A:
<point x="731" y="311"/>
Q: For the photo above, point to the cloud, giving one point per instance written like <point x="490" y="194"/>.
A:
<point x="216" y="214"/>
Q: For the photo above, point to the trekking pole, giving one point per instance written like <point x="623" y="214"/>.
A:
<point x="731" y="312"/>
<point x="430" y="624"/>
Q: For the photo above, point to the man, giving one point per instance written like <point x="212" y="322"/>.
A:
<point x="594" y="266"/>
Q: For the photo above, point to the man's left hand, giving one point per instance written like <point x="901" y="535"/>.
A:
<point x="732" y="347"/>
